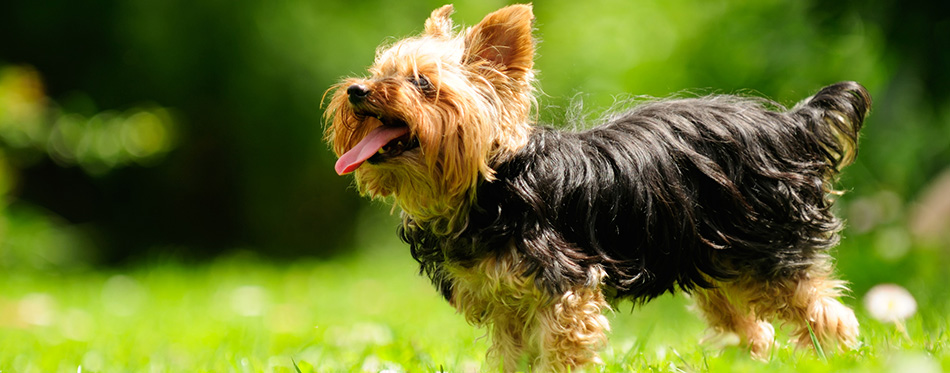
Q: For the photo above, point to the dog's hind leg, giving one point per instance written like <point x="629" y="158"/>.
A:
<point x="812" y="306"/>
<point x="807" y="300"/>
<point x="727" y="310"/>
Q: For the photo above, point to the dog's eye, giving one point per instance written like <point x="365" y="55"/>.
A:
<point x="422" y="83"/>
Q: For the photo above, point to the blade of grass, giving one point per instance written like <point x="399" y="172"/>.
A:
<point x="814" y="341"/>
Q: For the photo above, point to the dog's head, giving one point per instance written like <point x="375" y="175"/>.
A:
<point x="437" y="111"/>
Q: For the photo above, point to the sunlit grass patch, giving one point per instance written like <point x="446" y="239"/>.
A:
<point x="367" y="313"/>
<point x="237" y="314"/>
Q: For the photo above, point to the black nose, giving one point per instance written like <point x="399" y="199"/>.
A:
<point x="358" y="93"/>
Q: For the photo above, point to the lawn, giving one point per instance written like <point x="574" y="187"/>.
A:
<point x="369" y="311"/>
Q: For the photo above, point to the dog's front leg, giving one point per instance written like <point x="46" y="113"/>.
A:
<point x="571" y="330"/>
<point x="510" y="336"/>
<point x="494" y="294"/>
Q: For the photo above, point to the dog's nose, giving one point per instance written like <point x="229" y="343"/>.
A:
<point x="357" y="93"/>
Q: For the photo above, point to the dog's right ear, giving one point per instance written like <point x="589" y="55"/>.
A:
<point x="439" y="23"/>
<point x="503" y="41"/>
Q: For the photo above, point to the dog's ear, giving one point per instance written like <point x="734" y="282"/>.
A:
<point x="503" y="41"/>
<point x="439" y="23"/>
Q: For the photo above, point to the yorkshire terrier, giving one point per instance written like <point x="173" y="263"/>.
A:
<point x="534" y="231"/>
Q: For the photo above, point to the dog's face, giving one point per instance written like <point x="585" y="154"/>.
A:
<point x="436" y="111"/>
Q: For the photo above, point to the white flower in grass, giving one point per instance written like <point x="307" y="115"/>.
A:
<point x="890" y="303"/>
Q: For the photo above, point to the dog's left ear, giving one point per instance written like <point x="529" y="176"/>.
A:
<point x="503" y="41"/>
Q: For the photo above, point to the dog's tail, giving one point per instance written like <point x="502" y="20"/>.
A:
<point x="837" y="113"/>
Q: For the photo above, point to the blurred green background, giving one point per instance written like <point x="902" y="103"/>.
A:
<point x="167" y="201"/>
<point x="142" y="129"/>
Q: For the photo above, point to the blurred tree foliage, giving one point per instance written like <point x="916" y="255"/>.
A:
<point x="243" y="82"/>
<point x="33" y="130"/>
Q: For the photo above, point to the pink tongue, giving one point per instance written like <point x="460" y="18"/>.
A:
<point x="370" y="144"/>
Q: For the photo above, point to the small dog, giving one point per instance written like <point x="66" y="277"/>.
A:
<point x="534" y="232"/>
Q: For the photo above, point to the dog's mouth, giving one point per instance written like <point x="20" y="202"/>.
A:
<point x="392" y="138"/>
<point x="398" y="145"/>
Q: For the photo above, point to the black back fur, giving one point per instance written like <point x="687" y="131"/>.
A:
<point x="664" y="195"/>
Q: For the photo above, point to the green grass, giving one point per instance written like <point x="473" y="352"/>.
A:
<point x="368" y="312"/>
